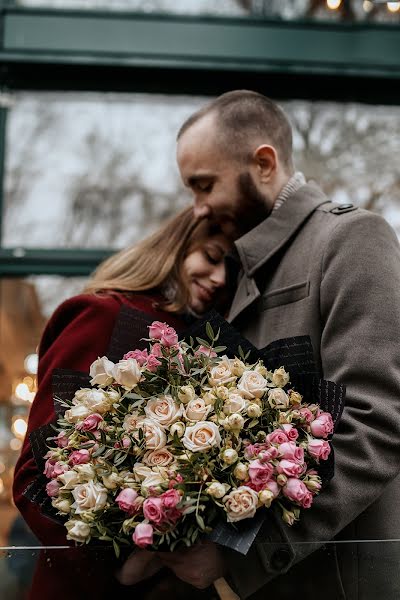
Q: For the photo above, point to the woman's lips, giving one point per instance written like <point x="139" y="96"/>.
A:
<point x="204" y="293"/>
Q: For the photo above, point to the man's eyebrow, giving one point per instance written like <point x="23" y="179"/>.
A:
<point x="193" y="179"/>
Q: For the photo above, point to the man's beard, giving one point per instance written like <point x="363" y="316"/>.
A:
<point x="251" y="205"/>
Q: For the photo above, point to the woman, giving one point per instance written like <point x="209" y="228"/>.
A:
<point x="176" y="272"/>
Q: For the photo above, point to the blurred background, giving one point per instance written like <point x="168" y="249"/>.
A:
<point x="92" y="93"/>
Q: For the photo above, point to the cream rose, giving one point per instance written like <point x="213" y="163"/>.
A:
<point x="69" y="479"/>
<point x="97" y="401"/>
<point x="77" y="413"/>
<point x="178" y="428"/>
<point x="197" y="410"/>
<point x="221" y="373"/>
<point x="254" y="411"/>
<point x="141" y="471"/>
<point x="77" y="530"/>
<point x="63" y="505"/>
<point x="280" y="378"/>
<point x="217" y="489"/>
<point x="234" y="404"/>
<point x="238" y="367"/>
<point x="201" y="437"/>
<point x="112" y="481"/>
<point x="252" y="385"/>
<point x="132" y="421"/>
<point x="158" y="458"/>
<point x="241" y="504"/>
<point x="186" y="393"/>
<point x="127" y="373"/>
<point x="153" y="480"/>
<point x="85" y="472"/>
<point x="101" y="372"/>
<point x="89" y="496"/>
<point x="154" y="435"/>
<point x="278" y="398"/>
<point x="163" y="409"/>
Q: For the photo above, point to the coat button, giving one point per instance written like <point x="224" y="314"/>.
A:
<point x="280" y="559"/>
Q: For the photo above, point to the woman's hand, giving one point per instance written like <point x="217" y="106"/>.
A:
<point x="140" y="565"/>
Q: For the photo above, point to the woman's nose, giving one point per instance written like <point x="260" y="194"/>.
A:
<point x="218" y="275"/>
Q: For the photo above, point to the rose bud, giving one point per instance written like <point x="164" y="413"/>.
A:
<point x="254" y="411"/>
<point x="143" y="535"/>
<point x="241" y="471"/>
<point x="178" y="428"/>
<point x="266" y="497"/>
<point x="235" y="421"/>
<point x="229" y="456"/>
<point x="281" y="479"/>
<point x="217" y="490"/>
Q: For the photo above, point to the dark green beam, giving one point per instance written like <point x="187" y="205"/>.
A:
<point x="20" y="262"/>
<point x="53" y="49"/>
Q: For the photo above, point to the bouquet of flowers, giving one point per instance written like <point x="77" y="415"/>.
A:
<point x="176" y="438"/>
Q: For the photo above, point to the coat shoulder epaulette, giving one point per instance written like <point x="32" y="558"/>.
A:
<point x="337" y="209"/>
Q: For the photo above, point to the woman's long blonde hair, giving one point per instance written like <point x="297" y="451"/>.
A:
<point x="155" y="263"/>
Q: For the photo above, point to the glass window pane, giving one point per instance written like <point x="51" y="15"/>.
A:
<point x="98" y="170"/>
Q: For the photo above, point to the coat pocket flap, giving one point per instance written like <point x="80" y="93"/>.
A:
<point x="286" y="295"/>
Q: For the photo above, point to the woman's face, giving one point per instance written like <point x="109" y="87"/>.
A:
<point x="204" y="271"/>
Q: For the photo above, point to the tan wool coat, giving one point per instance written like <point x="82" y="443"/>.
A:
<point x="313" y="268"/>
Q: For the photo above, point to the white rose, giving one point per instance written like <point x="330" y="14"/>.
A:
<point x="112" y="481"/>
<point x="201" y="437"/>
<point x="141" y="471"/>
<point x="197" y="410"/>
<point x="89" y="496"/>
<point x="178" y="428"/>
<point x="235" y="422"/>
<point x="259" y="368"/>
<point x="69" y="479"/>
<point x="127" y="373"/>
<point x="77" y="530"/>
<point x="241" y="471"/>
<point x="158" y="458"/>
<point x="241" y="504"/>
<point x="280" y="378"/>
<point x="163" y="409"/>
<point x="278" y="398"/>
<point x="132" y="421"/>
<point x="266" y="497"/>
<point x="254" y="411"/>
<point x="186" y="393"/>
<point x="229" y="456"/>
<point x="234" y="404"/>
<point x="221" y="373"/>
<point x="62" y="505"/>
<point x="76" y="413"/>
<point x="238" y="367"/>
<point x="113" y="395"/>
<point x="221" y="392"/>
<point x="97" y="401"/>
<point x="85" y="472"/>
<point x="217" y="490"/>
<point x="252" y="385"/>
<point x="154" y="435"/>
<point x="154" y="480"/>
<point x="101" y="372"/>
<point x="209" y="398"/>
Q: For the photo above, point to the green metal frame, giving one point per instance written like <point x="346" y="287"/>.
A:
<point x="47" y="49"/>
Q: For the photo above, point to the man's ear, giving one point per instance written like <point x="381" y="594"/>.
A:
<point x="266" y="159"/>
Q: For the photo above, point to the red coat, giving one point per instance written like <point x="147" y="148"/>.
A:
<point x="77" y="334"/>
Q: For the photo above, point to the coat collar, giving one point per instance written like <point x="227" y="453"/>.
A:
<point x="261" y="243"/>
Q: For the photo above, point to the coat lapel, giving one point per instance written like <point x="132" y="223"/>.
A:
<point x="258" y="246"/>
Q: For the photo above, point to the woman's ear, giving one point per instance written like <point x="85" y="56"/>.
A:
<point x="265" y="158"/>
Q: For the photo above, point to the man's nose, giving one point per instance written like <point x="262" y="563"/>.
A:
<point x="201" y="210"/>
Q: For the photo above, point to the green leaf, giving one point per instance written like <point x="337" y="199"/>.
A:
<point x="99" y="451"/>
<point x="116" y="549"/>
<point x="209" y="330"/>
<point x="220" y="348"/>
<point x="203" y="342"/>
<point x="200" y="521"/>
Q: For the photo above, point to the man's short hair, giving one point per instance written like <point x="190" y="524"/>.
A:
<point x="245" y="118"/>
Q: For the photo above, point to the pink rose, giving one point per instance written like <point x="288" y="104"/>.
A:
<point x="143" y="535"/>
<point x="260" y="473"/>
<point x="156" y="350"/>
<point x="273" y="487"/>
<point x="290" y="451"/>
<point x="306" y="415"/>
<point x="53" y="469"/>
<point x="277" y="437"/>
<point x="268" y="455"/>
<point x="170" y="498"/>
<point x="207" y="351"/>
<point x="91" y="423"/>
<point x="290" y="468"/>
<point x="322" y="426"/>
<point x="62" y="440"/>
<point x="319" y="449"/>
<point x="169" y="337"/>
<point x="291" y="432"/>
<point x="253" y="450"/>
<point x="52" y="488"/>
<point x="126" y="500"/>
<point x="140" y="356"/>
<point x="296" y="491"/>
<point x="156" y="330"/>
<point x="153" y="510"/>
<point x="79" y="457"/>
<point x="152" y="363"/>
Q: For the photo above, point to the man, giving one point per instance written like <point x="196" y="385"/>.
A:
<point x="307" y="267"/>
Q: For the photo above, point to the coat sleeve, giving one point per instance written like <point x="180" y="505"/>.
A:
<point x="360" y="317"/>
<point x="78" y="332"/>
